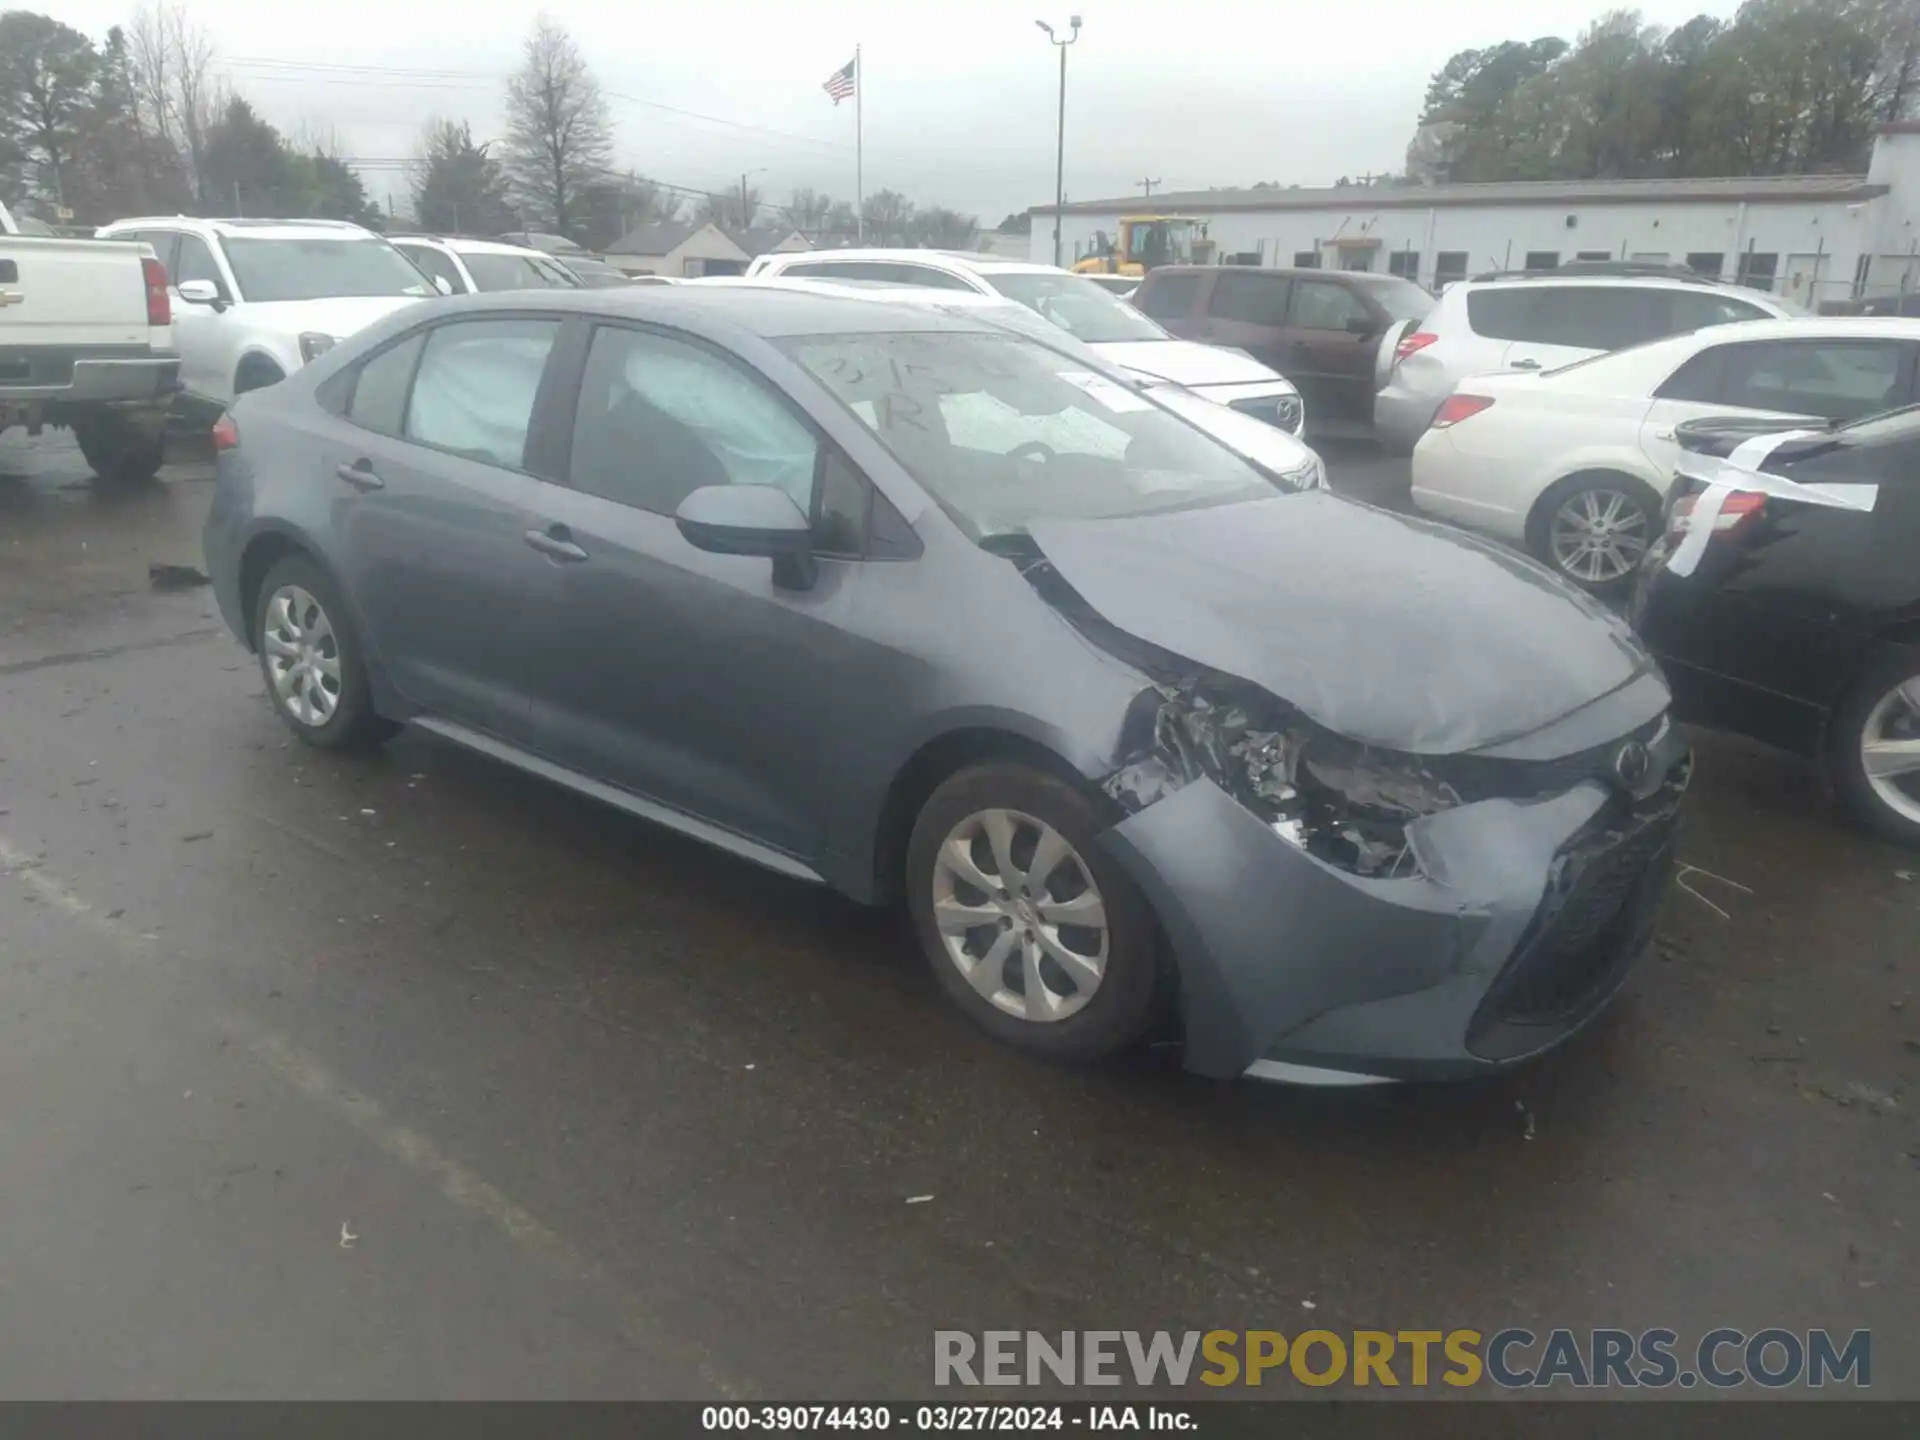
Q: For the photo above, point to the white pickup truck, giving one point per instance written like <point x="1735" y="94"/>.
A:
<point x="86" y="341"/>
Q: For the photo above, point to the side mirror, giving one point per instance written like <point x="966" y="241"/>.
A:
<point x="1359" y="325"/>
<point x="201" y="292"/>
<point x="751" y="520"/>
<point x="442" y="284"/>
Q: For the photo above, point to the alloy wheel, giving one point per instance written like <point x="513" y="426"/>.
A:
<point x="1598" y="536"/>
<point x="1890" y="749"/>
<point x="1020" y="915"/>
<point x="303" y="656"/>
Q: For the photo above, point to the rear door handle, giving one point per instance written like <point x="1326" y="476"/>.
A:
<point x="1663" y="434"/>
<point x="556" y="543"/>
<point x="1524" y="365"/>
<point x="360" y="475"/>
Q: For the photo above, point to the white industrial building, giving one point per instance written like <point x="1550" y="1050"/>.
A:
<point x="1814" y="238"/>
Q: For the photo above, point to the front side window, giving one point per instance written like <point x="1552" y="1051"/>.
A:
<point x="510" y="272"/>
<point x="659" y="418"/>
<point x="1251" y="299"/>
<point x="435" y="263"/>
<point x="1003" y="432"/>
<point x="1835" y="379"/>
<point x="1169" y="297"/>
<point x="1322" y="305"/>
<point x="194" y="261"/>
<point x="1696" y="310"/>
<point x="1401" y="299"/>
<point x="319" y="268"/>
<point x="474" y="392"/>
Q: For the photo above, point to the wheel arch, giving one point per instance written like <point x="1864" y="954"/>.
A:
<point x="1598" y="469"/>
<point x="930" y="766"/>
<point x="267" y="547"/>
<point x="254" y="357"/>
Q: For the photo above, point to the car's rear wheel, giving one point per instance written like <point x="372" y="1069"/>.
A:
<point x="311" y="659"/>
<point x="1876" y="750"/>
<point x="1034" y="933"/>
<point x="121" y="450"/>
<point x="1594" y="529"/>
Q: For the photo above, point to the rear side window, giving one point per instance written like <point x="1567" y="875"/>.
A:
<point x="380" y="391"/>
<point x="1249" y="298"/>
<point x="1169" y="297"/>
<point x="1835" y="379"/>
<point x="1698" y="380"/>
<point x="1587" y="317"/>
<point x="474" y="392"/>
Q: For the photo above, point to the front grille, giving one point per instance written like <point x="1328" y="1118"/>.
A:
<point x="1284" y="411"/>
<point x="1604" y="888"/>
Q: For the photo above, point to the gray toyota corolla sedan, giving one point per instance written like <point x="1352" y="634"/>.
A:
<point x="905" y="604"/>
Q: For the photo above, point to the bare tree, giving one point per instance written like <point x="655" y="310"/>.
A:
<point x="151" y="60"/>
<point x="199" y="97"/>
<point x="559" y="140"/>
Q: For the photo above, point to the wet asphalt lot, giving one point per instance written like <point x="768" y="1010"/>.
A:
<point x="414" y="1077"/>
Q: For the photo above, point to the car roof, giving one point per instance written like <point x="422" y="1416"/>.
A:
<point x="464" y="245"/>
<point x="1794" y="327"/>
<point x="768" y="311"/>
<point x="1636" y="282"/>
<point x="952" y="259"/>
<point x="265" y="229"/>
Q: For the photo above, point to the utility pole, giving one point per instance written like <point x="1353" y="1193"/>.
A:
<point x="236" y="200"/>
<point x="1060" y="154"/>
<point x="1146" y="187"/>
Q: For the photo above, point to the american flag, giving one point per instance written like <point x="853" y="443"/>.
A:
<point x="840" y="84"/>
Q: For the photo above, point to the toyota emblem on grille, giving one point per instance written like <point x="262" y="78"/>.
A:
<point x="1632" y="763"/>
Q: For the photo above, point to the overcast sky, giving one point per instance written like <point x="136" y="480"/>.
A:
<point x="959" y="94"/>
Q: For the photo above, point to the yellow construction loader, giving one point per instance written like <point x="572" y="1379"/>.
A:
<point x="1147" y="242"/>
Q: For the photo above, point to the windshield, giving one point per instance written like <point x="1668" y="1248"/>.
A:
<point x="320" y="269"/>
<point x="513" y="272"/>
<point x="1078" y="306"/>
<point x="1402" y="299"/>
<point x="1003" y="432"/>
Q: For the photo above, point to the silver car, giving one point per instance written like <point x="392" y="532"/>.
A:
<point x="906" y="604"/>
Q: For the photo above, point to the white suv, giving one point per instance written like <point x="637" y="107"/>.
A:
<point x="254" y="300"/>
<point x="1538" y="322"/>
<point x="471" y="266"/>
<point x="1087" y="311"/>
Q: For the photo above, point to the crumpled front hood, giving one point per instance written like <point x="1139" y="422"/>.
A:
<point x="1391" y="631"/>
<point x="1185" y="363"/>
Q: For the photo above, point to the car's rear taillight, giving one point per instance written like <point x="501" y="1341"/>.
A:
<point x="226" y="434"/>
<point x="1412" y="344"/>
<point x="159" y="307"/>
<point x="1456" y="408"/>
<point x="1737" y="508"/>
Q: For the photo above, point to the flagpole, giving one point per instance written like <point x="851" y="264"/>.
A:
<point x="859" y="156"/>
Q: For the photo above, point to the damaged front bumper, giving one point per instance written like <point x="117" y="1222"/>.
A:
<point x="1520" y="923"/>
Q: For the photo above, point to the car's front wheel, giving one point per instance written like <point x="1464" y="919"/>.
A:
<point x="1033" y="932"/>
<point x="1876" y="751"/>
<point x="1595" y="529"/>
<point x="311" y="659"/>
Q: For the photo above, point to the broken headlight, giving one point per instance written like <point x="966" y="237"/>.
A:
<point x="1348" y="805"/>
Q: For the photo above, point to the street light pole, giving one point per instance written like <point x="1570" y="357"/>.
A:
<point x="1060" y="154"/>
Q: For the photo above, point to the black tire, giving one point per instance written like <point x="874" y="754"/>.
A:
<point x="256" y="374"/>
<point x="1121" y="1007"/>
<point x="1539" y="524"/>
<point x="353" y="723"/>
<point x="1847" y="765"/>
<point x="120" y="449"/>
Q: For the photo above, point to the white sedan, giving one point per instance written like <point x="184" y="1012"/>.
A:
<point x="1574" y="463"/>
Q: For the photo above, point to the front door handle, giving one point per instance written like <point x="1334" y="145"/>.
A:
<point x="1663" y="435"/>
<point x="360" y="475"/>
<point x="1524" y="365"/>
<point x="556" y="543"/>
